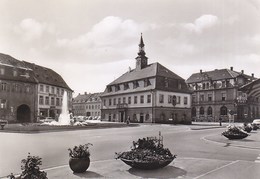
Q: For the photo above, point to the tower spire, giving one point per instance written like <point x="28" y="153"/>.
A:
<point x="141" y="59"/>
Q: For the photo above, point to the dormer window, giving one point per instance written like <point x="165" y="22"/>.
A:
<point x="117" y="87"/>
<point x="136" y="84"/>
<point x="166" y="82"/>
<point x="147" y="82"/>
<point x="126" y="86"/>
<point x="109" y="89"/>
<point x="14" y="73"/>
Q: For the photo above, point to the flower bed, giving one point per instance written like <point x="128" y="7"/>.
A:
<point x="234" y="132"/>
<point x="147" y="153"/>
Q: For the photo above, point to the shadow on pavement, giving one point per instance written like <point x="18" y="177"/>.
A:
<point x="166" y="172"/>
<point x="88" y="174"/>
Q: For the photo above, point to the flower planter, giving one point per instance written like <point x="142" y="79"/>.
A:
<point x="235" y="136"/>
<point x="79" y="165"/>
<point x="144" y="165"/>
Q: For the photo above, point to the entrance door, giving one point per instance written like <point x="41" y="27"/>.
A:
<point x="23" y="113"/>
<point x="141" y="118"/>
<point x="122" y="116"/>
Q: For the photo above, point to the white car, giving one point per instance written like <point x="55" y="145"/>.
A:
<point x="256" y="122"/>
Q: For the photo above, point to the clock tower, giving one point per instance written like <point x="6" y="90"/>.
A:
<point x="141" y="59"/>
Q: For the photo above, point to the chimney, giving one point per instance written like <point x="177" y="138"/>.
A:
<point x="231" y="68"/>
<point x="200" y="71"/>
<point x="86" y="93"/>
<point x="253" y="75"/>
<point x="242" y="71"/>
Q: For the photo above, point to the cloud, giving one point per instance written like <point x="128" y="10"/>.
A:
<point x="106" y="41"/>
<point x="30" y="29"/>
<point x="202" y="23"/>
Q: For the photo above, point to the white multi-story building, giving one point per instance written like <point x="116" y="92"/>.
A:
<point x="149" y="93"/>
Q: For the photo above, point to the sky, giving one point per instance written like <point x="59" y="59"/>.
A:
<point x="90" y="43"/>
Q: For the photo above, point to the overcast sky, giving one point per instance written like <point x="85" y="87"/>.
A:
<point x="92" y="42"/>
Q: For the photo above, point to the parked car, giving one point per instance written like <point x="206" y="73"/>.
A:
<point x="47" y="119"/>
<point x="256" y="122"/>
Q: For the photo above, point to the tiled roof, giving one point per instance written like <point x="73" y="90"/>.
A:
<point x="47" y="76"/>
<point x="37" y="74"/>
<point x="152" y="70"/>
<point x="86" y="96"/>
<point x="215" y="75"/>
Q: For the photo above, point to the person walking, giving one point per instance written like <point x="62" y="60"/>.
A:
<point x="220" y="121"/>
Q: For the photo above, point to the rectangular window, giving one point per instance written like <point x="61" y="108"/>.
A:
<point x="2" y="71"/>
<point x="148" y="98"/>
<point x="41" y="88"/>
<point x="129" y="100"/>
<point x="52" y="90"/>
<point x="193" y="98"/>
<point x="178" y="100"/>
<point x="135" y="99"/>
<point x="119" y="100"/>
<point x="14" y="73"/>
<point x="109" y="89"/>
<point x="147" y="82"/>
<point x="209" y="97"/>
<point x="166" y="82"/>
<point x="141" y="99"/>
<point x="110" y="102"/>
<point x="57" y="101"/>
<point x="52" y="101"/>
<point x="47" y="89"/>
<point x="169" y="99"/>
<point x="117" y="87"/>
<point x="161" y="98"/>
<point x="47" y="102"/>
<point x="185" y="100"/>
<point x="58" y="91"/>
<point x="3" y="103"/>
<point x="114" y="101"/>
<point x="41" y="100"/>
<point x="202" y="97"/>
<point x="3" y="86"/>
<point x="223" y="96"/>
<point x="123" y="100"/>
<point x="104" y="103"/>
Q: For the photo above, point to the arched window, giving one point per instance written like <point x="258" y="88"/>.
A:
<point x="201" y="111"/>
<point x="193" y="112"/>
<point x="209" y="112"/>
<point x="223" y="110"/>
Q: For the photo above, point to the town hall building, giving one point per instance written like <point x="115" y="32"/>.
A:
<point x="150" y="93"/>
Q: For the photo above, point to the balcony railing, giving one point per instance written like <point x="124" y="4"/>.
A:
<point x="122" y="105"/>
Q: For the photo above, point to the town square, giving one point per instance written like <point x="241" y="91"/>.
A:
<point x="129" y="89"/>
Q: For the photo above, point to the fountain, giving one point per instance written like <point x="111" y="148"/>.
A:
<point x="64" y="118"/>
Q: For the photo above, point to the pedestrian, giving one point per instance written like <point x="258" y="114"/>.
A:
<point x="220" y="121"/>
<point x="128" y="120"/>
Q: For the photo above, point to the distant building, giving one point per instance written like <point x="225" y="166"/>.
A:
<point x="87" y="104"/>
<point x="150" y="93"/>
<point x="29" y="90"/>
<point x="215" y="94"/>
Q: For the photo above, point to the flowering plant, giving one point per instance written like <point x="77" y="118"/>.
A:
<point x="81" y="151"/>
<point x="149" y="149"/>
<point x="234" y="132"/>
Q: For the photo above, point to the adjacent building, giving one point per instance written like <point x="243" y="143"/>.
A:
<point x="216" y="94"/>
<point x="29" y="91"/>
<point x="150" y="93"/>
<point x="87" y="104"/>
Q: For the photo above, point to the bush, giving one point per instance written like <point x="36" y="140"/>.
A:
<point x="81" y="151"/>
<point x="30" y="168"/>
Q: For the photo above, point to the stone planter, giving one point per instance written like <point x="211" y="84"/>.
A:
<point x="79" y="165"/>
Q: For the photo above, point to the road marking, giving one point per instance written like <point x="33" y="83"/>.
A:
<point x="209" y="172"/>
<point x="257" y="159"/>
<point x="231" y="145"/>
